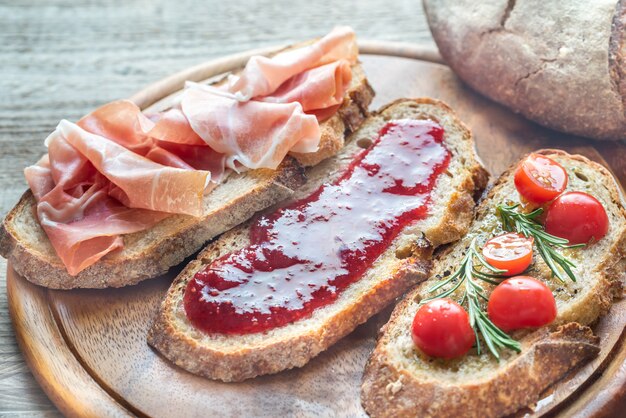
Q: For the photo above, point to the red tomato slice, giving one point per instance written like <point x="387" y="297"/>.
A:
<point x="441" y="328"/>
<point x="539" y="179"/>
<point x="511" y="252"/>
<point x="578" y="217"/>
<point x="521" y="302"/>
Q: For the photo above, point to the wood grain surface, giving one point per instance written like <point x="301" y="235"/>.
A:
<point x="83" y="82"/>
<point x="88" y="346"/>
<point x="62" y="59"/>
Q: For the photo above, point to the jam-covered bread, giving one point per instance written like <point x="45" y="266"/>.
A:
<point x="402" y="380"/>
<point x="275" y="292"/>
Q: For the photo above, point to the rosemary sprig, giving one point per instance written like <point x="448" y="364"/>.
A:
<point x="527" y="225"/>
<point x="473" y="297"/>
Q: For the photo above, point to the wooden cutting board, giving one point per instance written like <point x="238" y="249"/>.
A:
<point x="87" y="348"/>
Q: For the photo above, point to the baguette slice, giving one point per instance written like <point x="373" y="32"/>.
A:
<point x="152" y="252"/>
<point x="399" y="380"/>
<point x="238" y="357"/>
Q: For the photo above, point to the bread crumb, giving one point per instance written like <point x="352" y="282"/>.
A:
<point x="394" y="387"/>
<point x="564" y="52"/>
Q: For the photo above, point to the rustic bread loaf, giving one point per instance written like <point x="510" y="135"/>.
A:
<point x="406" y="261"/>
<point x="149" y="253"/>
<point x="400" y="380"/>
<point x="559" y="63"/>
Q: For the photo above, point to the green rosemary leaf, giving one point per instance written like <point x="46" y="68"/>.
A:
<point x="444" y="294"/>
<point x="486" y="277"/>
<point x="499" y="337"/>
<point x="485" y="264"/>
<point x="473" y="298"/>
<point x="502" y="336"/>
<point x="547" y="257"/>
<point x="488" y="339"/>
<point x="478" y="347"/>
<point x="444" y="282"/>
<point x="535" y="213"/>
<point x="527" y="225"/>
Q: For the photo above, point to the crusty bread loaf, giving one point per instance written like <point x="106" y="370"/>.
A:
<point x="559" y="63"/>
<point x="147" y="254"/>
<point x="406" y="261"/>
<point x="399" y="380"/>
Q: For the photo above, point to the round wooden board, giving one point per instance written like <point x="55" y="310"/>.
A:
<point x="87" y="348"/>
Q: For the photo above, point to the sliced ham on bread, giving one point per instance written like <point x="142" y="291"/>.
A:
<point x="235" y="357"/>
<point x="151" y="252"/>
<point x="400" y="380"/>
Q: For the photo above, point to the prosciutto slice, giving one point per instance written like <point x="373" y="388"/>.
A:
<point x="118" y="171"/>
<point x="315" y="89"/>
<point x="173" y="134"/>
<point x="169" y="141"/>
<point x="75" y="210"/>
<point x="123" y="122"/>
<point x="173" y="126"/>
<point x="138" y="182"/>
<point x="262" y="76"/>
<point x="252" y="134"/>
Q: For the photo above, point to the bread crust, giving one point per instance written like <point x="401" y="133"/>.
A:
<point x="186" y="347"/>
<point x="617" y="50"/>
<point x="547" y="354"/>
<point x="44" y="268"/>
<point x="281" y="355"/>
<point x="561" y="65"/>
<point x="390" y="392"/>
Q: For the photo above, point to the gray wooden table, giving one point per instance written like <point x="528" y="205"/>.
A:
<point x="61" y="59"/>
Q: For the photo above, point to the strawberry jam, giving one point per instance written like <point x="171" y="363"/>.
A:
<point x="301" y="257"/>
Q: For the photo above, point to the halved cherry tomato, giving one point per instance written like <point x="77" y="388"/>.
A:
<point x="578" y="217"/>
<point x="511" y="252"/>
<point x="521" y="302"/>
<point x="539" y="179"/>
<point x="441" y="328"/>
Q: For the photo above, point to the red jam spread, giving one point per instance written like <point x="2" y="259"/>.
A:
<point x="301" y="257"/>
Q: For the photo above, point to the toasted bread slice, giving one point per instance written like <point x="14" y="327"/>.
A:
<point x="399" y="380"/>
<point x="406" y="261"/>
<point x="149" y="253"/>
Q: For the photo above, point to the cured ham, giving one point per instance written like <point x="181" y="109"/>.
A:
<point x="173" y="126"/>
<point x="262" y="76"/>
<point x="117" y="171"/>
<point x="123" y="122"/>
<point x="90" y="190"/>
<point x="75" y="210"/>
<point x="168" y="140"/>
<point x="252" y="134"/>
<point x="315" y="89"/>
<point x="259" y="133"/>
<point x="174" y="136"/>
<point x="136" y="181"/>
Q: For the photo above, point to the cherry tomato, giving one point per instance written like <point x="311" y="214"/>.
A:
<point x="441" y="328"/>
<point x="539" y="179"/>
<point x="521" y="302"/>
<point x="511" y="252"/>
<point x="577" y="217"/>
